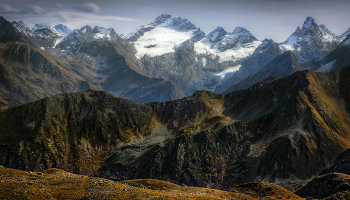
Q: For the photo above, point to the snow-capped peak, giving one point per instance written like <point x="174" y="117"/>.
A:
<point x="63" y="29"/>
<point x="161" y="18"/>
<point x="136" y="34"/>
<point x="163" y="35"/>
<point x="100" y="32"/>
<point x="179" y="24"/>
<point x="240" y="30"/>
<point x="38" y="26"/>
<point x="268" y="46"/>
<point x="311" y="41"/>
<point x="308" y="22"/>
<point x="297" y="31"/>
<point x="216" y="35"/>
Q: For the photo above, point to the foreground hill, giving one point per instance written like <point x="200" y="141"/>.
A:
<point x="281" y="130"/>
<point x="58" y="184"/>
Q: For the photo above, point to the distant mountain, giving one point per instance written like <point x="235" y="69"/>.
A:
<point x="29" y="73"/>
<point x="21" y="23"/>
<point x="281" y="66"/>
<point x="163" y="35"/>
<point x="62" y="28"/>
<point x="311" y="41"/>
<point x="27" y="69"/>
<point x="42" y="36"/>
<point x="116" y="65"/>
<point x="174" y="49"/>
<point x="228" y="46"/>
<point x="338" y="58"/>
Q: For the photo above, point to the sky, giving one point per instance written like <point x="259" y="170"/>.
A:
<point x="272" y="19"/>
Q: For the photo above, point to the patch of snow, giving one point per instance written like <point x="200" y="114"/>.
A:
<point x="160" y="40"/>
<point x="204" y="61"/>
<point x="42" y="48"/>
<point x="288" y="45"/>
<point x="203" y="47"/>
<point x="327" y="67"/>
<point x="228" y="70"/>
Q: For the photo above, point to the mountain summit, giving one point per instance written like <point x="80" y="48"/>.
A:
<point x="311" y="41"/>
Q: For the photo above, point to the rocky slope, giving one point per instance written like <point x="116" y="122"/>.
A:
<point x="325" y="186"/>
<point x="29" y="73"/>
<point x="290" y="128"/>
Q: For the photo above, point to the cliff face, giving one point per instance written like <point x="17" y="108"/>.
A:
<point x="281" y="129"/>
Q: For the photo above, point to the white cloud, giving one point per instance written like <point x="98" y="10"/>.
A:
<point x="79" y="19"/>
<point x="58" y="5"/>
<point x="37" y="10"/>
<point x="88" y="7"/>
<point x="5" y="8"/>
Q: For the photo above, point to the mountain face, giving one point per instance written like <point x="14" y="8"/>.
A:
<point x="291" y="127"/>
<point x="343" y="36"/>
<point x="29" y="73"/>
<point x="163" y="35"/>
<point x="219" y="41"/>
<point x="338" y="58"/>
<point x="174" y="49"/>
<point x="94" y="58"/>
<point x="332" y="180"/>
<point x="45" y="37"/>
<point x="63" y="29"/>
<point x="281" y="66"/>
<point x="262" y="55"/>
<point x="21" y="23"/>
<point x="116" y="67"/>
<point x="311" y="41"/>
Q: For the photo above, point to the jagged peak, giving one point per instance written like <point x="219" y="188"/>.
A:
<point x="308" y="22"/>
<point x="239" y="29"/>
<point x="219" y="28"/>
<point x="162" y="17"/>
<point x="266" y="41"/>
<point x="3" y="20"/>
<point x="216" y="34"/>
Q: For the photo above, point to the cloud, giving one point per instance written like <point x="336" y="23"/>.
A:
<point x="36" y="10"/>
<point x="5" y="8"/>
<point x="88" y="7"/>
<point x="58" y="5"/>
<point x="8" y="9"/>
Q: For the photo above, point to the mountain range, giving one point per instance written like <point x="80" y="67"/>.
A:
<point x="171" y="58"/>
<point x="142" y="105"/>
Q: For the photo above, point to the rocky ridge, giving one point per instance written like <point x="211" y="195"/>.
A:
<point x="204" y="140"/>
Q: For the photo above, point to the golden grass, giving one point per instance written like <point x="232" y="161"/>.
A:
<point x="19" y="184"/>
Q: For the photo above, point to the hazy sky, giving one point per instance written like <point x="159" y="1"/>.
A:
<point x="272" y="19"/>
